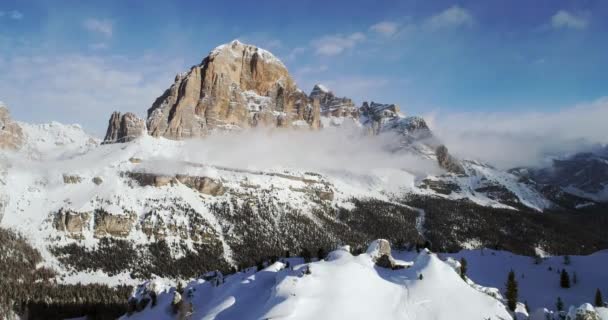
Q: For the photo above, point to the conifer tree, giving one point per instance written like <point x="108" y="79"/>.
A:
<point x="599" y="300"/>
<point x="512" y="291"/>
<point x="321" y="254"/>
<point x="564" y="281"/>
<point x="566" y="259"/>
<point x="560" y="304"/>
<point x="463" y="268"/>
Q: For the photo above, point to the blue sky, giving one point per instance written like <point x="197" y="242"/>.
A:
<point x="76" y="61"/>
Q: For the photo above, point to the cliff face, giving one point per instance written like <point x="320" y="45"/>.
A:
<point x="124" y="128"/>
<point x="11" y="134"/>
<point x="237" y="86"/>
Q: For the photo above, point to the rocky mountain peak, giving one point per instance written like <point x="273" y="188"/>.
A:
<point x="332" y="106"/>
<point x="124" y="128"/>
<point x="237" y="86"/>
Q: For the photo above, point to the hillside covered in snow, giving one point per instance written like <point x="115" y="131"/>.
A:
<point x="235" y="165"/>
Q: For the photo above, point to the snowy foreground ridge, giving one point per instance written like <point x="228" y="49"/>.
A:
<point x="342" y="286"/>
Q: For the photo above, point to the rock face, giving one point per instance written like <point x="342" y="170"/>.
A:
<point x="204" y="185"/>
<point x="447" y="162"/>
<point x="332" y="106"/>
<point x="74" y="223"/>
<point x="11" y="134"/>
<point x="380" y="251"/>
<point x="124" y="128"/>
<point x="107" y="224"/>
<point x="237" y="86"/>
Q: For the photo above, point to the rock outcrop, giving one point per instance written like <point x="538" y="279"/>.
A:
<point x="124" y="128"/>
<point x="107" y="224"/>
<point x="447" y="162"/>
<point x="203" y="185"/>
<point x="380" y="252"/>
<point x="237" y="86"/>
<point x="74" y="223"/>
<point x="332" y="106"/>
<point x="11" y="134"/>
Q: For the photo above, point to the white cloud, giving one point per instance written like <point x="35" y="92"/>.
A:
<point x="98" y="46"/>
<point x="509" y="140"/>
<point x="565" y="19"/>
<point x="14" y="14"/>
<point x="334" y="150"/>
<point x="332" y="45"/>
<point x="294" y="53"/>
<point x="82" y="89"/>
<point x="311" y="69"/>
<point x="101" y="26"/>
<point x="452" y="17"/>
<point x="385" y="28"/>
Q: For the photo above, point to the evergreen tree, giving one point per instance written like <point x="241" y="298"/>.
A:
<point x="306" y="255"/>
<point x="512" y="291"/>
<point x="260" y="266"/>
<point x="599" y="300"/>
<point x="180" y="288"/>
<point x="420" y="277"/>
<point x="564" y="280"/>
<point x="463" y="268"/>
<point x="321" y="254"/>
<point x="566" y="259"/>
<point x="560" y="304"/>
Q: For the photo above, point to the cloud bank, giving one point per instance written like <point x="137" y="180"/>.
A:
<point x="509" y="140"/>
<point x="329" y="150"/>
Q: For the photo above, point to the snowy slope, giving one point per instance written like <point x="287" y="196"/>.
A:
<point x="538" y="285"/>
<point x="342" y="287"/>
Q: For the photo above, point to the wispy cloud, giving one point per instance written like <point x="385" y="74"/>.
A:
<point x="311" y="69"/>
<point x="332" y="45"/>
<point x="294" y="53"/>
<point x="14" y="14"/>
<point x="385" y="28"/>
<point x="452" y="17"/>
<point x="509" y="140"/>
<point x="564" y="19"/>
<point x="100" y="26"/>
<point x="49" y="87"/>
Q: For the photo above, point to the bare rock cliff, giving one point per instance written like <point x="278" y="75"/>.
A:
<point x="237" y="86"/>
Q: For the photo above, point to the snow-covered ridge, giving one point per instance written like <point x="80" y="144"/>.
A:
<point x="342" y="286"/>
<point x="53" y="139"/>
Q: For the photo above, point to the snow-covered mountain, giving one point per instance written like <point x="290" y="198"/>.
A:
<point x="235" y="165"/>
<point x="342" y="286"/>
<point x="421" y="286"/>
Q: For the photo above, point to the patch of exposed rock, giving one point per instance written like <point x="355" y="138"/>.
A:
<point x="204" y="185"/>
<point x="332" y="106"/>
<point x="447" y="162"/>
<point x="107" y="224"/>
<point x="380" y="252"/>
<point x="74" y="223"/>
<point x="71" y="179"/>
<point x="124" y="128"/>
<point x="11" y="134"/>
<point x="237" y="86"/>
